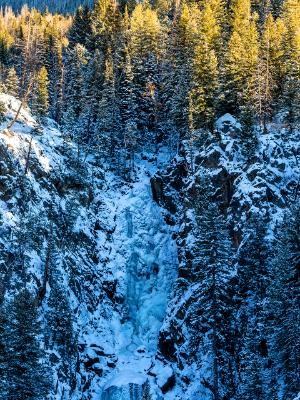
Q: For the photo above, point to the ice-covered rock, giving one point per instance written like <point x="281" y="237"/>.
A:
<point x="127" y="385"/>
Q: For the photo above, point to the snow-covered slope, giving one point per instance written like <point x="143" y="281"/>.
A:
<point x="262" y="188"/>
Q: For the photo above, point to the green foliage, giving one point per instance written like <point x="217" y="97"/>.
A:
<point x="41" y="98"/>
<point x="2" y="111"/>
<point x="12" y="82"/>
<point x="23" y="361"/>
<point x="210" y="312"/>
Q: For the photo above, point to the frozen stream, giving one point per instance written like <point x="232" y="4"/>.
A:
<point x="146" y="262"/>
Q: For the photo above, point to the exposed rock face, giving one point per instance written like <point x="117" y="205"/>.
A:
<point x="241" y="190"/>
<point x="129" y="391"/>
<point x="127" y="385"/>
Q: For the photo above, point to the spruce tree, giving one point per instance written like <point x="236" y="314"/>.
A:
<point x="80" y="30"/>
<point x="6" y="41"/>
<point x="253" y="281"/>
<point x="12" y="82"/>
<point x="55" y="67"/>
<point x="60" y="334"/>
<point x="73" y="90"/>
<point x="212" y="305"/>
<point x="145" y="30"/>
<point x="129" y="114"/>
<point x="290" y="100"/>
<point x="2" y="111"/>
<point x="270" y="71"/>
<point x="108" y="122"/>
<point x="241" y="66"/>
<point x="4" y="371"/>
<point x="283" y="305"/>
<point x="205" y="82"/>
<point x="24" y="359"/>
<point x="147" y="391"/>
<point x="92" y="94"/>
<point x="41" y="96"/>
<point x="105" y="25"/>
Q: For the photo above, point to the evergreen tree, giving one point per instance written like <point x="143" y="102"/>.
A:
<point x="105" y="25"/>
<point x="177" y="76"/>
<point x="2" y="111"/>
<point x="6" y="41"/>
<point x="80" y="30"/>
<point x="108" y="123"/>
<point x="26" y="373"/>
<point x="241" y="65"/>
<point x="73" y="90"/>
<point x="283" y="305"/>
<point x="205" y="84"/>
<point x="254" y="279"/>
<point x="55" y="69"/>
<point x="212" y="305"/>
<point x="269" y="73"/>
<point x="4" y="372"/>
<point x="60" y="335"/>
<point x="41" y="96"/>
<point x="145" y="31"/>
<point x="12" y="82"/>
<point x="291" y="58"/>
<point x="128" y="110"/>
<point x="92" y="94"/>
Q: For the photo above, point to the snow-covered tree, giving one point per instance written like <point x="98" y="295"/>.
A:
<point x="23" y="360"/>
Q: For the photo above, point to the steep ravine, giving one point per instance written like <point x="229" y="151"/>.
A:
<point x="111" y="265"/>
<point x="111" y="262"/>
<point x="145" y="262"/>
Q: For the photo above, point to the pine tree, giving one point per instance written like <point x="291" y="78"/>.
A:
<point x="73" y="90"/>
<point x="12" y="82"/>
<point x="24" y="359"/>
<point x="92" y="94"/>
<point x="241" y="65"/>
<point x="108" y="123"/>
<point x="205" y="83"/>
<point x="269" y="73"/>
<point x="129" y="113"/>
<point x="55" y="68"/>
<point x="145" y="30"/>
<point x="176" y="82"/>
<point x="80" y="30"/>
<point x="283" y="305"/>
<point x="291" y="58"/>
<point x="253" y="281"/>
<point x="2" y="111"/>
<point x="4" y="372"/>
<point x="105" y="25"/>
<point x="211" y="307"/>
<point x="60" y="335"/>
<point x="41" y="96"/>
<point x="6" y="41"/>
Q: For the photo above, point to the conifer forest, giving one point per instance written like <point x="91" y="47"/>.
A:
<point x="150" y="200"/>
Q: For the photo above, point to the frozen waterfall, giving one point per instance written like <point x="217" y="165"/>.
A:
<point x="147" y="255"/>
